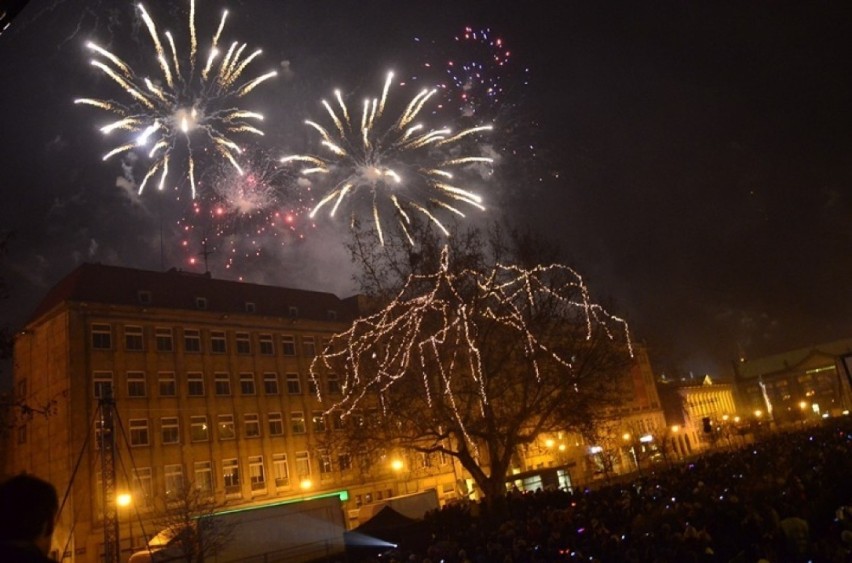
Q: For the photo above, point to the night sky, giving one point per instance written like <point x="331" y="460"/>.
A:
<point x="692" y="161"/>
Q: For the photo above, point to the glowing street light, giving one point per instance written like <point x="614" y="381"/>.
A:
<point x="123" y="499"/>
<point x="397" y="465"/>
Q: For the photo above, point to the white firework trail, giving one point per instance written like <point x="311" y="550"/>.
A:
<point x="401" y="169"/>
<point x="186" y="101"/>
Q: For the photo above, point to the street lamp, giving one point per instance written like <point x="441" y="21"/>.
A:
<point x="124" y="500"/>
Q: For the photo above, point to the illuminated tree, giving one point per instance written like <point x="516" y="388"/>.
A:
<point x="474" y="360"/>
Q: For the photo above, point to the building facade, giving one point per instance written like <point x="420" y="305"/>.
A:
<point x="799" y="385"/>
<point x="211" y="387"/>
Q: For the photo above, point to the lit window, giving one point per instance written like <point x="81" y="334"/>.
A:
<point x="163" y="336"/>
<point x="133" y="340"/>
<point x="337" y="420"/>
<point x="324" y="463"/>
<point x="101" y="336"/>
<point x="204" y="477"/>
<point x="170" y="430"/>
<point x="257" y="475"/>
<point x="318" y="421"/>
<point x="174" y="480"/>
<point x="226" y="427"/>
<point x="344" y="462"/>
<point x="231" y="475"/>
<point x="251" y="422"/>
<point x="280" y="470"/>
<point x="270" y="383"/>
<point x="138" y="432"/>
<point x="136" y="385"/>
<point x="297" y="422"/>
<point x="198" y="428"/>
<point x="303" y="464"/>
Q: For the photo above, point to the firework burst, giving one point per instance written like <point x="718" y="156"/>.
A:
<point x="244" y="213"/>
<point x="195" y="97"/>
<point x="399" y="166"/>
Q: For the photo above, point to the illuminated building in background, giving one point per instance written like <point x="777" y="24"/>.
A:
<point x="798" y="385"/>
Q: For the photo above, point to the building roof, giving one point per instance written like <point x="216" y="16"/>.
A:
<point x="751" y="369"/>
<point x="175" y="289"/>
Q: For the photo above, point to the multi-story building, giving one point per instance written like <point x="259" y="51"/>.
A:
<point x="699" y="414"/>
<point x="798" y="385"/>
<point x="211" y="387"/>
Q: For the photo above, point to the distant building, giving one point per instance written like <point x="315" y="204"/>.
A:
<point x="698" y="413"/>
<point x="797" y="385"/>
<point x="211" y="385"/>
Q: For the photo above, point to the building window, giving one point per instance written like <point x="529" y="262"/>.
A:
<point x="257" y="475"/>
<point x="333" y="384"/>
<point x="312" y="385"/>
<point x="226" y="427"/>
<point x="247" y="384"/>
<point x="243" y="340"/>
<point x="309" y="346"/>
<point x="143" y="487"/>
<point x="133" y="340"/>
<point x="139" y="432"/>
<point x="163" y="336"/>
<point x="303" y="464"/>
<point x="174" y="480"/>
<point x="267" y="348"/>
<point x="293" y="312"/>
<point x="325" y="346"/>
<point x="166" y="384"/>
<point x="217" y="342"/>
<point x="101" y="336"/>
<point x="337" y="421"/>
<point x="144" y="297"/>
<point x="288" y="345"/>
<point x="204" y="477"/>
<point x="251" y="422"/>
<point x="280" y="470"/>
<point x="318" y="421"/>
<point x="195" y="384"/>
<point x="102" y="384"/>
<point x="231" y="475"/>
<point x="324" y="463"/>
<point x="294" y="384"/>
<point x="250" y="307"/>
<point x="331" y="315"/>
<point x="201" y="303"/>
<point x="170" y="430"/>
<point x="270" y="383"/>
<point x="297" y="422"/>
<point x="191" y="340"/>
<point x="276" y="424"/>
<point x="222" y="384"/>
<point x="198" y="428"/>
<point x="136" y="385"/>
<point x="344" y="462"/>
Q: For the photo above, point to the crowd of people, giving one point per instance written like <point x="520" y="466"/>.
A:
<point x="785" y="498"/>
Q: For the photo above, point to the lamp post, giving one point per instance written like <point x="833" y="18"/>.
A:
<point x="397" y="466"/>
<point x="125" y="500"/>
